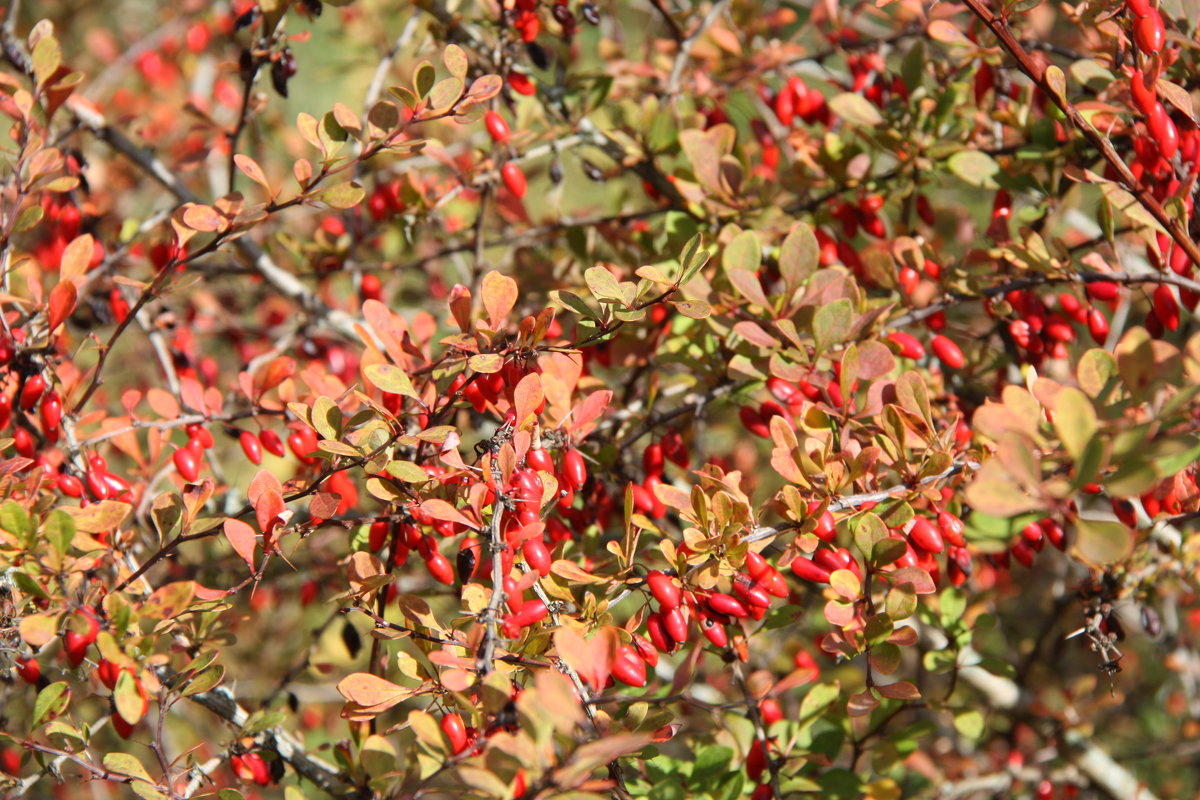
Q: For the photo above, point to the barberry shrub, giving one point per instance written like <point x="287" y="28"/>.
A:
<point x="578" y="399"/>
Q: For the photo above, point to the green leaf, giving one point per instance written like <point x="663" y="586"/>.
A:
<point x="868" y="529"/>
<point x="799" y="256"/>
<point x="743" y="252"/>
<point x="901" y="601"/>
<point x="969" y="723"/>
<point x="832" y="324"/>
<point x="391" y="378"/>
<point x="710" y="762"/>
<point x="204" y="680"/>
<point x="975" y="167"/>
<point x="953" y="604"/>
<point x="126" y="764"/>
<point x="856" y="109"/>
<point x="572" y="302"/>
<point x="424" y="76"/>
<point x="819" y="698"/>
<point x="1074" y="420"/>
<point x="445" y="93"/>
<point x="1101" y="543"/>
<point x="603" y="285"/>
<point x="15" y="520"/>
<point x="885" y="658"/>
<point x="343" y="196"/>
<point x="59" y="529"/>
<point x="50" y="702"/>
<point x="692" y="259"/>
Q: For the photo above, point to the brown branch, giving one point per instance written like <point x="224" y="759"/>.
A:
<point x="999" y="27"/>
<point x="221" y="702"/>
<point x="760" y="731"/>
<point x="484" y="661"/>
<point x="855" y="500"/>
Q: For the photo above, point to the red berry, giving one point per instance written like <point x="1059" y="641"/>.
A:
<point x="371" y="287"/>
<point x="952" y="529"/>
<point x="439" y="567"/>
<point x="713" y="630"/>
<point x="187" y="464"/>
<point x="909" y="346"/>
<point x="727" y="604"/>
<point x="665" y="591"/>
<point x="514" y="179"/>
<point x="1166" y="307"/>
<point x="948" y="352"/>
<point x="675" y="624"/>
<point x="50" y="411"/>
<point x="70" y="485"/>
<point x="628" y="667"/>
<point x="108" y="673"/>
<point x="1149" y="33"/>
<point x="272" y="443"/>
<point x="32" y="391"/>
<point x="645" y="650"/>
<point x="574" y="470"/>
<point x="302" y="443"/>
<point x="456" y="732"/>
<point x="521" y="83"/>
<point x="29" y="669"/>
<point x="1097" y="326"/>
<point x="810" y="571"/>
<point x="925" y="535"/>
<point x="537" y="556"/>
<point x="656" y="629"/>
<point x="497" y="127"/>
<point x="1144" y="97"/>
<point x="251" y="446"/>
<point x="123" y="728"/>
<point x="76" y="645"/>
<point x="377" y="536"/>
<point x="770" y="711"/>
<point x="1104" y="291"/>
<point x="539" y="459"/>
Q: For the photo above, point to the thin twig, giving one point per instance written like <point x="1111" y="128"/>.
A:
<point x="685" y="46"/>
<point x="999" y="27"/>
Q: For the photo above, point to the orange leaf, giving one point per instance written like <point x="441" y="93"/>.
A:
<point x="273" y="374"/>
<point x="192" y="394"/>
<point x="76" y="257"/>
<point x="243" y="539"/>
<point x="163" y="403"/>
<point x="527" y="397"/>
<point x="61" y="304"/>
<point x="440" y="509"/>
<point x="589" y="410"/>
<point x="264" y="481"/>
<point x="372" y="693"/>
<point x="499" y="296"/>
<point x="252" y="170"/>
<point x="574" y="649"/>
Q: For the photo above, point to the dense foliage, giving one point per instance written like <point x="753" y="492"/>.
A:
<point x="557" y="398"/>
